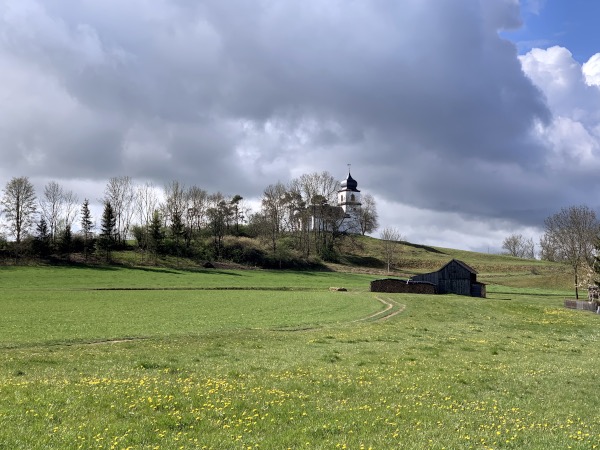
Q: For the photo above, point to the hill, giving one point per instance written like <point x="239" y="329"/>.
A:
<point x="353" y="254"/>
<point x="363" y="254"/>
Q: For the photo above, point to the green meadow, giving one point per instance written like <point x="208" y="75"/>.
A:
<point x="160" y="358"/>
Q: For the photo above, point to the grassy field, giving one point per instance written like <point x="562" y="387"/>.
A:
<point x="165" y="359"/>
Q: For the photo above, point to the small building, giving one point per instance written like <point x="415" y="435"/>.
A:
<point x="456" y="277"/>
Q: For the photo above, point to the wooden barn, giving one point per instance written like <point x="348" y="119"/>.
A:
<point x="456" y="277"/>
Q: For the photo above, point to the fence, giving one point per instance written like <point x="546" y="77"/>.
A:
<point x="580" y="304"/>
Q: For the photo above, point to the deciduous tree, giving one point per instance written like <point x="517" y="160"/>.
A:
<point x="313" y="184"/>
<point x="273" y="211"/>
<point x="145" y="204"/>
<point x="18" y="206"/>
<point x="572" y="234"/>
<point x="217" y="214"/>
<point x="120" y="193"/>
<point x="195" y="214"/>
<point x="236" y="210"/>
<point x="51" y="205"/>
<point x="390" y="238"/>
<point x="519" y="246"/>
<point x="367" y="216"/>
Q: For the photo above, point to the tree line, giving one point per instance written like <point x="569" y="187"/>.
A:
<point x="179" y="220"/>
<point x="571" y="236"/>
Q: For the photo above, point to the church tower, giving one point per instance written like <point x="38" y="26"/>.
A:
<point x="349" y="201"/>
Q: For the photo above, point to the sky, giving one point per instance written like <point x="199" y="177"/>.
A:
<point x="468" y="120"/>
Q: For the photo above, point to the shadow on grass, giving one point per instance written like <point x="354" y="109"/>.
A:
<point x="424" y="247"/>
<point x="95" y="266"/>
<point x="365" y="261"/>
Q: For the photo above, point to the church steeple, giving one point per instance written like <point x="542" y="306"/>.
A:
<point x="349" y="197"/>
<point x="349" y="184"/>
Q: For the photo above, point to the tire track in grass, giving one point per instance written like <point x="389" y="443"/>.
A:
<point x="392" y="308"/>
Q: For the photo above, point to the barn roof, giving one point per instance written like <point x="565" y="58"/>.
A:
<point x="460" y="263"/>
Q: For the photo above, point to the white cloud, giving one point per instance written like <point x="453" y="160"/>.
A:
<point x="572" y="136"/>
<point x="591" y="70"/>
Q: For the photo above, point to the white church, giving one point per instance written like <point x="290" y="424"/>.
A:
<point x="349" y="201"/>
<point x="343" y="217"/>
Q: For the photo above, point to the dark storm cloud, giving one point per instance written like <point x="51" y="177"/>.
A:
<point x="423" y="97"/>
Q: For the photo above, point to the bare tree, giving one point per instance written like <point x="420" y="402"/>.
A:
<point x="70" y="208"/>
<point x="18" y="205"/>
<point x="390" y="238"/>
<point x="196" y="216"/>
<point x="51" y="205"/>
<point x="314" y="184"/>
<point x="58" y="208"/>
<point x="548" y="251"/>
<point x="273" y="210"/>
<point x="175" y="202"/>
<point x="216" y="212"/>
<point x="120" y="193"/>
<point x="571" y="234"/>
<point x="367" y="216"/>
<point x="146" y="202"/>
<point x="519" y="246"/>
<point x="236" y="207"/>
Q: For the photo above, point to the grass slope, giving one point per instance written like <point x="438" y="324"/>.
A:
<point x="411" y="259"/>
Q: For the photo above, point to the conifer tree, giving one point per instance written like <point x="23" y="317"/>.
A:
<point x="156" y="234"/>
<point x="107" y="230"/>
<point x="66" y="241"/>
<point x="42" y="239"/>
<point x="86" y="227"/>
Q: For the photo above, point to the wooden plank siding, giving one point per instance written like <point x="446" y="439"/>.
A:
<point x="456" y="277"/>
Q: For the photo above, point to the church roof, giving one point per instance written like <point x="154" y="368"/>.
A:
<point x="349" y="184"/>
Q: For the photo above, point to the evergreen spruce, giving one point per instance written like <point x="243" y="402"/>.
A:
<point x="66" y="241"/>
<point x="108" y="228"/>
<point x="177" y="232"/>
<point x="156" y="235"/>
<point x="42" y="239"/>
<point x="86" y="227"/>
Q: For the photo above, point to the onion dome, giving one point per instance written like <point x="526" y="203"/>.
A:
<point x="349" y="184"/>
